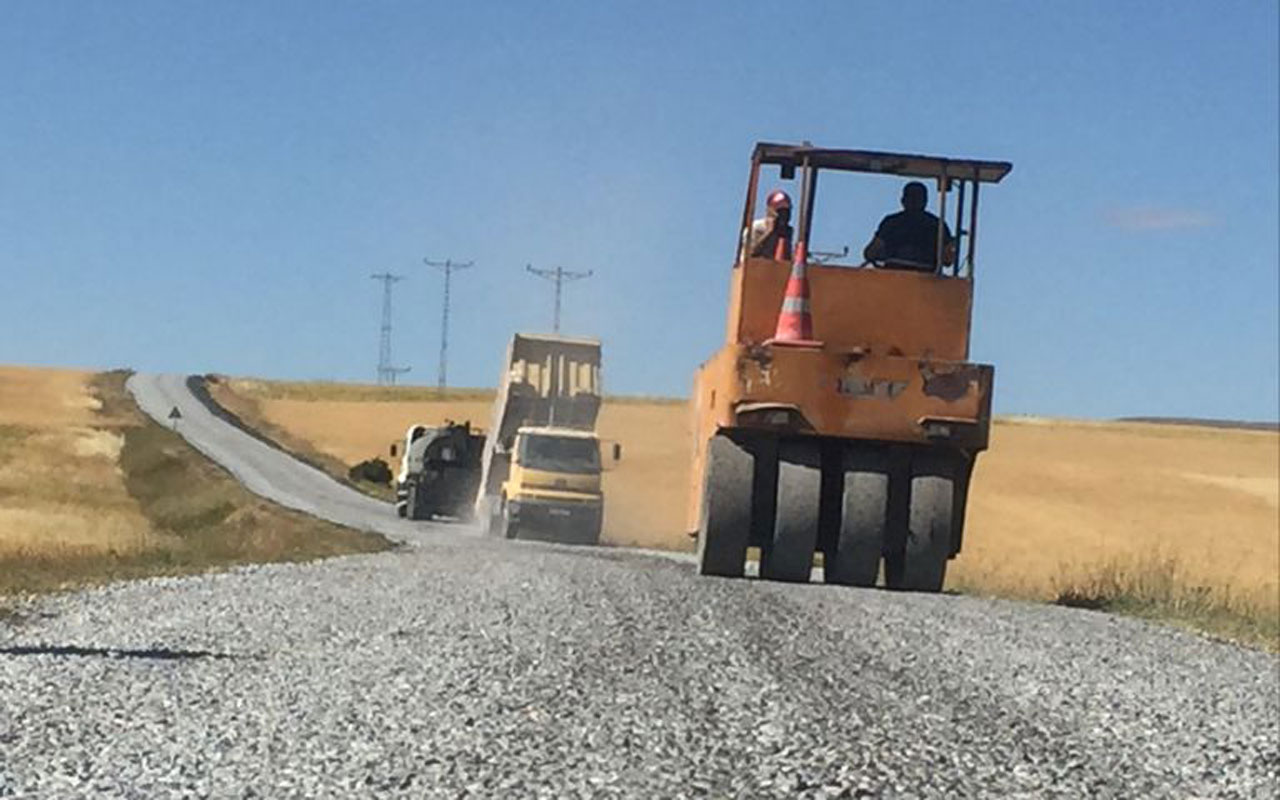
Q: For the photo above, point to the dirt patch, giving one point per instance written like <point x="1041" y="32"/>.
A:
<point x="91" y="443"/>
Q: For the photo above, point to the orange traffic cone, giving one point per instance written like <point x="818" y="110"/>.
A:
<point x="795" y="322"/>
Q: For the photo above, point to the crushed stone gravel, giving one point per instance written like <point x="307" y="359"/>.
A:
<point x="465" y="667"/>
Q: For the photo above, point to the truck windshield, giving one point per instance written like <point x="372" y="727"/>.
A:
<point x="560" y="454"/>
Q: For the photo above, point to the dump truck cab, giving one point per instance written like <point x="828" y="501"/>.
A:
<point x="553" y="484"/>
<point x="439" y="470"/>
<point x="856" y="440"/>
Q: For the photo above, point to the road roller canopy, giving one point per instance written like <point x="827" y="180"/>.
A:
<point x="790" y="157"/>
<point x="839" y="223"/>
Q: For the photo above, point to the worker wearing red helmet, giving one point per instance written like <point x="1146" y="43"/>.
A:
<point x="770" y="236"/>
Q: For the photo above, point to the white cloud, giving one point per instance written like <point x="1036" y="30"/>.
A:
<point x="1148" y="218"/>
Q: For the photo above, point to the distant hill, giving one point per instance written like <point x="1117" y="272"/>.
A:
<point x="1206" y="423"/>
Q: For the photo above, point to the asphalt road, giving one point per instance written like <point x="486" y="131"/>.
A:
<point x="460" y="666"/>
<point x="264" y="469"/>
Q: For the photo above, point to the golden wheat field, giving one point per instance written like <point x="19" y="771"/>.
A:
<point x="1054" y="502"/>
<point x="60" y="484"/>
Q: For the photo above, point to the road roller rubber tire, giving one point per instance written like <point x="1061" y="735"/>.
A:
<point x="864" y="519"/>
<point x="725" y="525"/>
<point x="929" y="525"/>
<point x="789" y="556"/>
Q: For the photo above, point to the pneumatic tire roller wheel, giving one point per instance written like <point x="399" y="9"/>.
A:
<point x="922" y="564"/>
<point x="864" y="518"/>
<point x="725" y="524"/>
<point x="789" y="554"/>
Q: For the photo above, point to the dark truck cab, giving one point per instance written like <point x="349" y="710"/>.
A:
<point x="439" y="471"/>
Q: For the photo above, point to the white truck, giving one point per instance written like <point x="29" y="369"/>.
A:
<point x="439" y="471"/>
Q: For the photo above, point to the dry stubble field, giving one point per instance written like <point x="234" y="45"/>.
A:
<point x="60" y="481"/>
<point x="1178" y="521"/>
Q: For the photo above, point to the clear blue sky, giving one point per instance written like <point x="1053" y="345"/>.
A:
<point x="194" y="186"/>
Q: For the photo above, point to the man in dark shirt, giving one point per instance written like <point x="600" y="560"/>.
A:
<point x="909" y="239"/>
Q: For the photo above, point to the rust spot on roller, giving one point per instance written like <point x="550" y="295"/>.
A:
<point x="948" y="383"/>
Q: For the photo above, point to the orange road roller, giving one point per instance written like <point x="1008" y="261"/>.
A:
<point x="842" y="417"/>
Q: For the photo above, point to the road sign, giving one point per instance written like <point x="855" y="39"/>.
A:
<point x="175" y="415"/>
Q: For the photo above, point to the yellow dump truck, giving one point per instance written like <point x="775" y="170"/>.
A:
<point x="540" y="469"/>
<point x="843" y="416"/>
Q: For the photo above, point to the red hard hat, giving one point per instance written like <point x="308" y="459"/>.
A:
<point x="778" y="199"/>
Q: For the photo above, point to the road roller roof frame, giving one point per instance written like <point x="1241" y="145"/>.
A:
<point x="807" y="444"/>
<point x="964" y="177"/>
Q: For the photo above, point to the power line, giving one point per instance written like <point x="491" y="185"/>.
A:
<point x="386" y="373"/>
<point x="448" y="267"/>
<point x="559" y="276"/>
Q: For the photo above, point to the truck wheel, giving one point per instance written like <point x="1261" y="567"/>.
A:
<point x="414" y="507"/>
<point x="795" y="529"/>
<point x="864" y="517"/>
<point x="923" y="565"/>
<point x="508" y="528"/>
<point x="402" y="510"/>
<point x="726" y="509"/>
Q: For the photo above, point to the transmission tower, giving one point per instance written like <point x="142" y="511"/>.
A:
<point x="559" y="276"/>
<point x="448" y="267"/>
<point x="386" y="373"/>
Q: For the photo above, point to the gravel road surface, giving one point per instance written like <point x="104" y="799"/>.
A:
<point x="463" y="667"/>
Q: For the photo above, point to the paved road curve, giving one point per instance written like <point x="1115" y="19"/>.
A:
<point x="465" y="667"/>
<point x="264" y="469"/>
